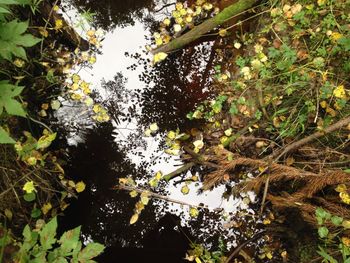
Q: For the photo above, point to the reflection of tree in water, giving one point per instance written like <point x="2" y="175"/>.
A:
<point x="104" y="213"/>
<point x="174" y="86"/>
<point x="112" y="13"/>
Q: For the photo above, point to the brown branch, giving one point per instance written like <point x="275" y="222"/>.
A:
<point x="295" y="145"/>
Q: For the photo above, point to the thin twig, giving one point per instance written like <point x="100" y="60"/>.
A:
<point x="295" y="145"/>
<point x="157" y="196"/>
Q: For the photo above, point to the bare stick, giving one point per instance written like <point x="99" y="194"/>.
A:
<point x="295" y="145"/>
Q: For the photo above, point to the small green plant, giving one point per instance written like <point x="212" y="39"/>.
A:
<point x="332" y="240"/>
<point x="41" y="245"/>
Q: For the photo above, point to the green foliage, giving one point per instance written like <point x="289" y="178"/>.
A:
<point x="329" y="238"/>
<point x="7" y="101"/>
<point x="13" y="40"/>
<point x="41" y="245"/>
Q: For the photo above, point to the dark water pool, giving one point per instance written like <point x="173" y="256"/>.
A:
<point x="137" y="95"/>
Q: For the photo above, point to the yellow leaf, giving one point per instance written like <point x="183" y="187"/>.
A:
<point x="158" y="175"/>
<point x="46" y="208"/>
<point x="153" y="127"/>
<point x="194" y="212"/>
<point x="43" y="32"/>
<point x="222" y="32"/>
<point x="58" y="24"/>
<point x="198" y="144"/>
<point x="29" y="187"/>
<point x="133" y="193"/>
<point x="76" y="78"/>
<point x="159" y="57"/>
<point x="177" y="28"/>
<point x="166" y="21"/>
<point x="323" y="104"/>
<point x="339" y="92"/>
<point x="80" y="186"/>
<point x="341" y="188"/>
<point x="185" y="190"/>
<point x="144" y="200"/>
<point x="8" y="214"/>
<point x="134" y="219"/>
<point x="19" y="63"/>
<point x="198" y="260"/>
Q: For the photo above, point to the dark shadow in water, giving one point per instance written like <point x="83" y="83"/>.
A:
<point x="105" y="213"/>
<point x="112" y="13"/>
<point x="172" y="89"/>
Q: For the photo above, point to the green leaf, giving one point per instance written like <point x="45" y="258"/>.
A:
<point x="90" y="251"/>
<point x="5" y="137"/>
<point x="7" y="101"/>
<point x="13" y="39"/>
<point x="347" y="171"/>
<point x="29" y="197"/>
<point x="35" y="213"/>
<point x="60" y="260"/>
<point x="321" y="213"/>
<point x="30" y="238"/>
<point x="13" y="107"/>
<point x="326" y="256"/>
<point x="69" y="240"/>
<point x="45" y="141"/>
<point x="48" y="233"/>
<point x="323" y="232"/>
<point x="9" y="2"/>
<point x="3" y="10"/>
<point x="336" y="220"/>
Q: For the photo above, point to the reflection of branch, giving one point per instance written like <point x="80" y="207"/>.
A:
<point x="164" y="6"/>
<point x="208" y="68"/>
<point x="155" y="195"/>
<point x="240" y="247"/>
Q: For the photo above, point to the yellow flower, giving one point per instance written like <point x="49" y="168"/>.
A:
<point x="339" y="92"/>
<point x="29" y="187"/>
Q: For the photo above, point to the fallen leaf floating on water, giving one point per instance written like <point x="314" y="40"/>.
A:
<point x="80" y="186"/>
<point x="159" y="57"/>
<point x="185" y="190"/>
<point x="134" y="219"/>
<point x="194" y="212"/>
